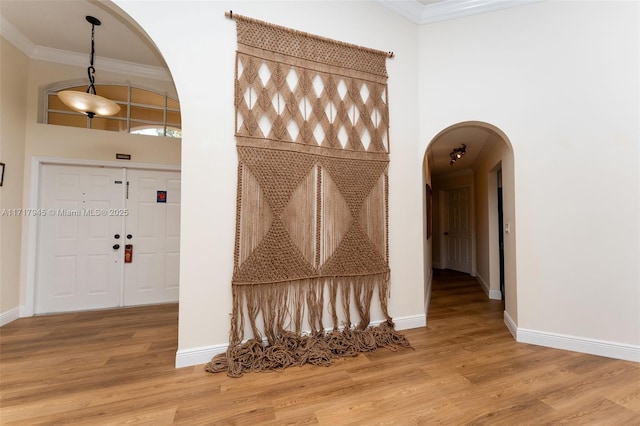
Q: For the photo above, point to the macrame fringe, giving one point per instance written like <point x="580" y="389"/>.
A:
<point x="290" y="349"/>
<point x="284" y="304"/>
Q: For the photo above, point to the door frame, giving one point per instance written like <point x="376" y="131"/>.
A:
<point x="37" y="163"/>
<point x="500" y="232"/>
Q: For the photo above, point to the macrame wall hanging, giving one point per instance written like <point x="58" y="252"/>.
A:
<point x="312" y="200"/>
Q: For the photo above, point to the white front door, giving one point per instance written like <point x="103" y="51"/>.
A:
<point x="85" y="224"/>
<point x="458" y="230"/>
<point x="77" y="266"/>
<point x="153" y="230"/>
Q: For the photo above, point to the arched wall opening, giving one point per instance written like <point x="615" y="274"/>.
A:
<point x="485" y="175"/>
<point x="46" y="145"/>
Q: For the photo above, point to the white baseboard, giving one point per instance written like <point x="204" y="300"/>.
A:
<point x="407" y="323"/>
<point x="10" y="315"/>
<point x="572" y="343"/>
<point x="492" y="294"/>
<point x="578" y="344"/>
<point x="203" y="354"/>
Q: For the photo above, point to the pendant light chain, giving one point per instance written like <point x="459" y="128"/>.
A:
<point x="91" y="70"/>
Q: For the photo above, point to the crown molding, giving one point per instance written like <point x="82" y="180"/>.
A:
<point x="15" y="37"/>
<point x="448" y="9"/>
<point x="65" y="57"/>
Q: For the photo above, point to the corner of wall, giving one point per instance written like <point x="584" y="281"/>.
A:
<point x="511" y="325"/>
<point x="491" y="294"/>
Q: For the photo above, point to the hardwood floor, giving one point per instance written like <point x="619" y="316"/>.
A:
<point x="116" y="367"/>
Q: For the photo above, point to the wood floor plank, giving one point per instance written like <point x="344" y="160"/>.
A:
<point x="116" y="366"/>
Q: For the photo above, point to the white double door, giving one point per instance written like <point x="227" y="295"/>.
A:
<point x="87" y="219"/>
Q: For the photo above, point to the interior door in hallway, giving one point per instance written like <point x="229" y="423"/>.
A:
<point x="458" y="230"/>
<point x="80" y="211"/>
<point x="153" y="231"/>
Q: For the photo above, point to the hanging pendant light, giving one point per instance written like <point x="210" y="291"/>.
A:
<point x="89" y="103"/>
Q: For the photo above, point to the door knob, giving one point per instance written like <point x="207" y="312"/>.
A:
<point x="129" y="236"/>
<point x="116" y="246"/>
<point x="446" y="233"/>
<point x="117" y="236"/>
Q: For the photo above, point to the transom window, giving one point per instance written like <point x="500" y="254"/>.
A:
<point x="142" y="111"/>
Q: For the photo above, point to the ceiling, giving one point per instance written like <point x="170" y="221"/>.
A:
<point x="439" y="152"/>
<point x="34" y="27"/>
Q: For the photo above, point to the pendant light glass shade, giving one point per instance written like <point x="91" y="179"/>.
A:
<point x="89" y="103"/>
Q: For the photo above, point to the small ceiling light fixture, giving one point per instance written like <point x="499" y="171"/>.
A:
<point x="457" y="154"/>
<point x="89" y="103"/>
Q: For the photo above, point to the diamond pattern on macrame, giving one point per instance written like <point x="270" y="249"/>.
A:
<point x="278" y="172"/>
<point x="355" y="255"/>
<point x="286" y="103"/>
<point x="355" y="179"/>
<point x="286" y="183"/>
<point x="276" y="258"/>
<point x="279" y="214"/>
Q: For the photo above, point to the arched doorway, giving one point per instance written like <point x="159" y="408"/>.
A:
<point x="471" y="198"/>
<point x="93" y="147"/>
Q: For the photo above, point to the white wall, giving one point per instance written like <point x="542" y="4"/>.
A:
<point x="13" y="88"/>
<point x="496" y="154"/>
<point x="198" y="44"/>
<point x="561" y="80"/>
